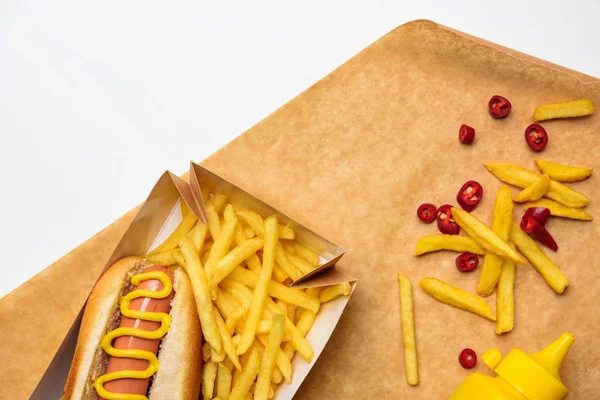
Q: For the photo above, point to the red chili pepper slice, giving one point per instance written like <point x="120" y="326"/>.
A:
<point x="466" y="134"/>
<point x="445" y="223"/>
<point x="469" y="195"/>
<point x="538" y="232"/>
<point x="427" y="213"/>
<point x="536" y="137"/>
<point x="467" y="358"/>
<point x="499" y="107"/>
<point x="467" y="262"/>
<point x="540" y="214"/>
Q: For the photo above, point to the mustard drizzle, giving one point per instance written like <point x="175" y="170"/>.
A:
<point x="106" y="342"/>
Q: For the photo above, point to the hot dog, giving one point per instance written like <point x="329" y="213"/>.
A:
<point x="139" y="338"/>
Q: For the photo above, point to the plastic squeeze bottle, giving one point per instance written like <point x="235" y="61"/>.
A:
<point x="521" y="376"/>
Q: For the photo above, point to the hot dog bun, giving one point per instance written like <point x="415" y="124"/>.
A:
<point x="179" y="355"/>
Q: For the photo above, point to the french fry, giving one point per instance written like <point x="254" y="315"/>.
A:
<point x="461" y="244"/>
<point x="220" y="247"/>
<point x="279" y="275"/>
<point x="217" y="356"/>
<point x="284" y="367"/>
<point x="249" y="232"/>
<point x="219" y="201"/>
<point x="240" y="237"/>
<point x="206" y="352"/>
<point x="558" y="210"/>
<point x="276" y="290"/>
<point x="301" y="264"/>
<point x="298" y="340"/>
<point x="562" y="172"/>
<point x="288" y="245"/>
<point x="235" y="318"/>
<point x="201" y="292"/>
<point x="285" y="232"/>
<point x="212" y="218"/>
<point x="209" y="374"/>
<point x="305" y="323"/>
<point x="291" y="313"/>
<point x="408" y="330"/>
<point x="223" y="304"/>
<point x="226" y="340"/>
<point x="165" y="258"/>
<point x="205" y="193"/>
<point x="186" y="224"/>
<point x="566" y="109"/>
<point x="334" y="291"/>
<point x="260" y="291"/>
<point x="254" y="220"/>
<point x="455" y="297"/>
<point x="517" y="176"/>
<point x="492" y="263"/>
<point x="264" y="327"/>
<point x="484" y="236"/>
<point x="263" y="382"/>
<point x="178" y="256"/>
<point x="198" y="235"/>
<point x="535" y="191"/>
<point x="505" y="298"/>
<point x="553" y="276"/>
<point x="285" y="264"/>
<point x="246" y="377"/>
<point x="234" y="258"/>
<point x="223" y="382"/>
<point x="314" y="292"/>
<point x="306" y="253"/>
<point x="207" y="246"/>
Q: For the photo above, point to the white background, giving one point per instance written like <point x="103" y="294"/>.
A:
<point x="97" y="99"/>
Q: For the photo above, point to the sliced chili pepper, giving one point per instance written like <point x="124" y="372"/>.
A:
<point x="538" y="232"/>
<point x="466" y="134"/>
<point x="427" y="213"/>
<point x="469" y="195"/>
<point x="536" y="137"/>
<point x="467" y="358"/>
<point x="467" y="262"/>
<point x="445" y="223"/>
<point x="499" y="106"/>
<point x="540" y="214"/>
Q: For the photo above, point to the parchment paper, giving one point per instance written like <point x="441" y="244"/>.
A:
<point x="352" y="158"/>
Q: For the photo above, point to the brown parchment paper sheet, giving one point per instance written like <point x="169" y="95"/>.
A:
<point x="351" y="158"/>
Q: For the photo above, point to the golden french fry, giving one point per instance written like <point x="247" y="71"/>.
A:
<point x="165" y="258"/>
<point x="205" y="193"/>
<point x="217" y="356"/>
<point x="260" y="291"/>
<point x="291" y="313"/>
<point x="240" y="237"/>
<point x="219" y="201"/>
<point x="249" y="232"/>
<point x="220" y="247"/>
<point x="517" y="176"/>
<point x="201" y="292"/>
<point x="226" y="309"/>
<point x="484" y="236"/>
<point x="461" y="244"/>
<point x="535" y="191"/>
<point x="234" y="258"/>
<point x="209" y="374"/>
<point x="178" y="256"/>
<point x="288" y="245"/>
<point x="246" y="377"/>
<point x="223" y="382"/>
<point x="207" y="246"/>
<point x="540" y="261"/>
<point x="285" y="232"/>
<point x="492" y="263"/>
<point x="566" y="109"/>
<point x="455" y="297"/>
<point x="335" y="291"/>
<point x="235" y="318"/>
<point x="212" y="217"/>
<point x="263" y="382"/>
<point x="226" y="339"/>
<point x="558" y="210"/>
<point x="284" y="367"/>
<point x="277" y="290"/>
<point x="562" y="172"/>
<point x="264" y="327"/>
<point x="306" y="253"/>
<point x="206" y="352"/>
<point x="301" y="264"/>
<point x="186" y="224"/>
<point x="254" y="220"/>
<point x="283" y="262"/>
<point x="408" y="330"/>
<point x="279" y="274"/>
<point x="314" y="292"/>
<point x="198" y="235"/>
<point x="305" y="322"/>
<point x="505" y="298"/>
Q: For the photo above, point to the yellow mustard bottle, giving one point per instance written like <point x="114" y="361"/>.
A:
<point x="521" y="376"/>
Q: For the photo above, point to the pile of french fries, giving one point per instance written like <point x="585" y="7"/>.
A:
<point x="240" y="267"/>
<point x="498" y="244"/>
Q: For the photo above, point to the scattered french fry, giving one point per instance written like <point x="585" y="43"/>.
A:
<point x="246" y="377"/>
<point x="209" y="374"/>
<point x="186" y="224"/>
<point x="505" y="298"/>
<point x="520" y="177"/>
<point x="408" y="330"/>
<point x="455" y="297"/>
<point x="535" y="191"/>
<point x="562" y="172"/>
<point x="263" y="382"/>
<point x="549" y="271"/>
<point x="484" y="236"/>
<point x="461" y="244"/>
<point x="558" y="210"/>
<point x="334" y="291"/>
<point x="566" y="109"/>
<point x="223" y="382"/>
<point x="202" y="296"/>
<point x="260" y="292"/>
<point x="492" y="263"/>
